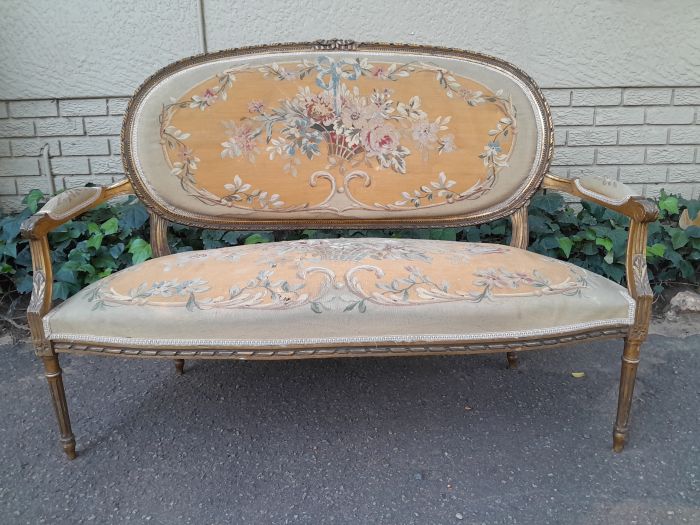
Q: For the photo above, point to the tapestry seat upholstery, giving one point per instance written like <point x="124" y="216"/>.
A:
<point x="335" y="291"/>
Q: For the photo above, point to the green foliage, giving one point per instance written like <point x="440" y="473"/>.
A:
<point x="112" y="237"/>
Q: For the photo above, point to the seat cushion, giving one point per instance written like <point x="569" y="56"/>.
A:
<point x="335" y="291"/>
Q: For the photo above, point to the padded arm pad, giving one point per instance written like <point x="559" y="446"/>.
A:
<point x="71" y="202"/>
<point x="605" y="189"/>
<point x="606" y="192"/>
<point x="65" y="206"/>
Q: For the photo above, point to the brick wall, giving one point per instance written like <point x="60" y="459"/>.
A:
<point x="646" y="137"/>
<point x="82" y="136"/>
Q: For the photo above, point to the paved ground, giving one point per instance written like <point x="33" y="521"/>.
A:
<point x="414" y="440"/>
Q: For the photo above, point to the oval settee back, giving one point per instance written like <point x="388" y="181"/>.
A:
<point x="336" y="134"/>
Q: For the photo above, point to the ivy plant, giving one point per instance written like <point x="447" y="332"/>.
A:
<point x="114" y="236"/>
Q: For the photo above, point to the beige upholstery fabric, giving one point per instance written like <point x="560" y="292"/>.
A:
<point x="605" y="189"/>
<point x="68" y="202"/>
<point x="327" y="292"/>
<point x="329" y="135"/>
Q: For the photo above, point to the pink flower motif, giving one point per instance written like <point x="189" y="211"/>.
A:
<point x="380" y="73"/>
<point x="207" y="99"/>
<point x="242" y="141"/>
<point x="256" y="106"/>
<point x="210" y="97"/>
<point x="490" y="278"/>
<point x="184" y="154"/>
<point x="381" y="140"/>
<point x="320" y="109"/>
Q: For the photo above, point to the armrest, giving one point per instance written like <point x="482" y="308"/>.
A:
<point x="607" y="192"/>
<point x="59" y="210"/>
<point x="616" y="196"/>
<point x="66" y="206"/>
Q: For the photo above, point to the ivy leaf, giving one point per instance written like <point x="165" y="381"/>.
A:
<point x="110" y="226"/>
<point x="657" y="249"/>
<point x="473" y="235"/>
<point x="549" y="242"/>
<point x="614" y="271"/>
<point x="33" y="199"/>
<point x="669" y="204"/>
<point x="565" y="244"/>
<point x="549" y="202"/>
<point x="133" y="216"/>
<point x="24" y="283"/>
<point x="604" y="242"/>
<point x="231" y="238"/>
<point x="443" y="234"/>
<point x="619" y="240"/>
<point x="10" y="249"/>
<point x="95" y="241"/>
<point x="140" y="250"/>
<point x="687" y="270"/>
<point x="679" y="239"/>
<point x="257" y="238"/>
<point x="693" y="208"/>
<point x="61" y="290"/>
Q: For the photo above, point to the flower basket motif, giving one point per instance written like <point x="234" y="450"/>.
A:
<point x="355" y="131"/>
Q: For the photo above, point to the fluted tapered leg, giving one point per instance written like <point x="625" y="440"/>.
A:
<point x="628" y="375"/>
<point x="52" y="371"/>
<point x="180" y="366"/>
<point x="512" y="359"/>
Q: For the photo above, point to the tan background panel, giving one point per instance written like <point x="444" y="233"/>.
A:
<point x="469" y="125"/>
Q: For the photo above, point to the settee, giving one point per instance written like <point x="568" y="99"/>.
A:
<point x="339" y="135"/>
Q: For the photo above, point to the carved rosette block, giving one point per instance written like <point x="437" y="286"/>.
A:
<point x="335" y="44"/>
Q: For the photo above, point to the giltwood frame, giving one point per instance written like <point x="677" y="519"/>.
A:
<point x="71" y="203"/>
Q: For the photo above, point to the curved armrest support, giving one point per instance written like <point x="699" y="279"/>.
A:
<point x="68" y="205"/>
<point x="609" y="193"/>
<point x="59" y="210"/>
<point x="616" y="196"/>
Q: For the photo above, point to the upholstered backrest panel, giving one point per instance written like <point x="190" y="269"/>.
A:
<point x="365" y="135"/>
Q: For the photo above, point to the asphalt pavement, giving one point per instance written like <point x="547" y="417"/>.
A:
<point x="426" y="440"/>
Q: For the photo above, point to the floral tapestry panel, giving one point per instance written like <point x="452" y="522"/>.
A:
<point x="341" y="275"/>
<point x="336" y="135"/>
